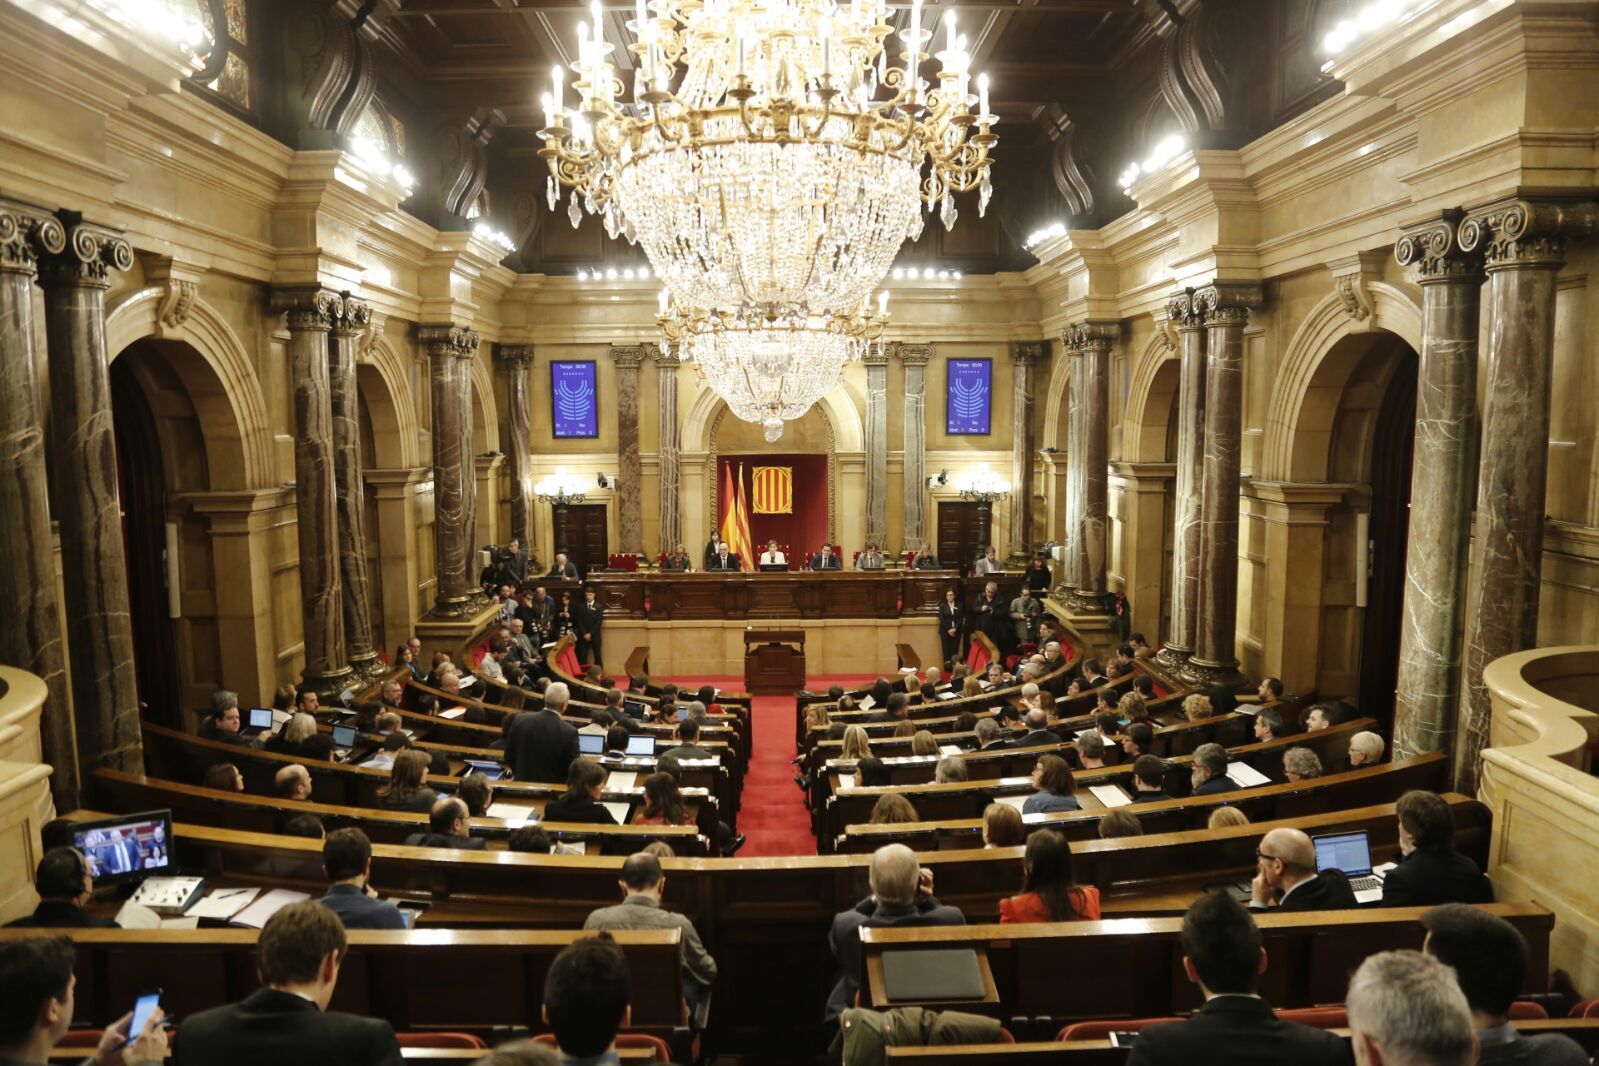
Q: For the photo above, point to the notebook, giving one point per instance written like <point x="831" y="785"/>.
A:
<point x="491" y="770"/>
<point x="256" y="914"/>
<point x="1351" y="853"/>
<point x="1109" y="795"/>
<point x="1246" y="776"/>
<point x="452" y="712"/>
<point x="926" y="976"/>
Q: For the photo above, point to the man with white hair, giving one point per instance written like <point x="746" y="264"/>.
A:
<point x="1286" y="877"/>
<point x="933" y="676"/>
<point x="1406" y="1009"/>
<point x="541" y="745"/>
<point x="1365" y="749"/>
<point x="901" y="895"/>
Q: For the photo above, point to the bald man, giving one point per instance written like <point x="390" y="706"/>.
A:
<point x="902" y="895"/>
<point x="293" y="782"/>
<point x="1286" y="877"/>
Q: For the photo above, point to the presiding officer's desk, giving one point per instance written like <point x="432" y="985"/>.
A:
<point x="802" y="594"/>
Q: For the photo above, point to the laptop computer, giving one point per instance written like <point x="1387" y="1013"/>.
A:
<point x="491" y="770"/>
<point x="343" y="737"/>
<point x="1351" y="853"/>
<point x="257" y="722"/>
<point x="591" y="743"/>
<point x="641" y="744"/>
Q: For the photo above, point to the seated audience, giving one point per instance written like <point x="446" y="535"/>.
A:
<point x="300" y="738"/>
<point x="897" y="707"/>
<point x="1053" y="780"/>
<point x="901" y="895"/>
<point x="950" y="769"/>
<point x="1133" y="706"/>
<point x="223" y="776"/>
<point x="305" y="825"/>
<point x="1405" y="1009"/>
<point x="1049" y="894"/>
<point x="893" y="809"/>
<point x="534" y="840"/>
<point x="405" y="790"/>
<point x="477" y="792"/>
<point x="298" y="956"/>
<point x="1365" y="749"/>
<point x="923" y="744"/>
<point x="224" y="722"/>
<point x="1222" y="954"/>
<point x="1091" y="751"/>
<point x="1270" y="690"/>
<point x="1141" y="648"/>
<point x="65" y="887"/>
<point x="1119" y="823"/>
<point x="642" y="886"/>
<point x="1430" y="871"/>
<point x="523" y="1052"/>
<point x="1489" y="957"/>
<point x="1196" y="707"/>
<point x="292" y="782"/>
<point x="37" y="1000"/>
<point x="393" y="744"/>
<point x="1224" y="817"/>
<point x="905" y="729"/>
<point x="872" y="773"/>
<point x="1286" y="877"/>
<point x="1268" y="725"/>
<point x="1002" y="826"/>
<point x="447" y="828"/>
<point x="1149" y="779"/>
<point x="585" y="783"/>
<point x="1210" y="771"/>
<point x="616" y="742"/>
<point x="1318" y="718"/>
<point x="1138" y="740"/>
<point x="988" y="735"/>
<point x="1144" y="685"/>
<point x="587" y="992"/>
<point x="856" y="745"/>
<point x="1223" y="701"/>
<point x="1038" y="734"/>
<point x="1301" y="764"/>
<point x="663" y="803"/>
<point x="347" y="858"/>
<point x="688" y="731"/>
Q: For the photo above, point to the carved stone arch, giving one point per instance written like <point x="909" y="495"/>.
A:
<point x="1297" y="423"/>
<point x="1157" y="119"/>
<point x="485" y="415"/>
<point x="1055" y="403"/>
<point x="221" y="382"/>
<point x="1150" y="395"/>
<point x="386" y="388"/>
<point x="839" y="411"/>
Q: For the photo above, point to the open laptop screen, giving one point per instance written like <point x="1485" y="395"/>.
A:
<point x="1349" y="852"/>
<point x="591" y="743"/>
<point x="260" y="718"/>
<point x="344" y="736"/>
<point x="641" y="745"/>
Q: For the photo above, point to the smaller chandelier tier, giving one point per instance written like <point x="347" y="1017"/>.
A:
<point x="770" y="369"/>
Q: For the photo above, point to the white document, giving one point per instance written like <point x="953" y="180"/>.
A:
<point x="452" y="712"/>
<point x="846" y="780"/>
<point x="621" y="780"/>
<point x="1246" y="776"/>
<point x="949" y="695"/>
<point x="135" y="916"/>
<point x="951" y="749"/>
<point x="619" y="811"/>
<point x="256" y="914"/>
<point x="1012" y="801"/>
<point x="1109" y="795"/>
<point x="867" y="703"/>
<point x="512" y="812"/>
<point x="224" y="903"/>
<point x="1034" y="818"/>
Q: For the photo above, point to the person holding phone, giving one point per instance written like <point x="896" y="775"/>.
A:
<point x="38" y="986"/>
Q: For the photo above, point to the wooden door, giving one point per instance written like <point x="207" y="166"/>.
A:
<point x="586" y="543"/>
<point x="959" y="539"/>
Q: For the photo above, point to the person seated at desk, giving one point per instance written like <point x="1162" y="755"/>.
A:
<point x="292" y="782"/>
<point x="1210" y="771"/>
<point x="687" y="732"/>
<point x="1049" y="892"/>
<point x="1002" y="826"/>
<point x="772" y="557"/>
<point x="1270" y="690"/>
<point x="825" y="559"/>
<point x="1489" y="957"/>
<point x="1268" y="725"/>
<point x="1149" y="779"/>
<point x="585" y="783"/>
<point x="722" y="559"/>
<point x="895" y="709"/>
<point x="347" y="858"/>
<point x="616" y="742"/>
<point x="1037" y="724"/>
<point x="393" y="744"/>
<point x="477" y="792"/>
<point x="1222" y="954"/>
<point x="1286" y="877"/>
<point x="65" y="886"/>
<point x="405" y="790"/>
<point x="1091" y="751"/>
<point x="870" y="559"/>
<point x="301" y="740"/>
<point x="37" y="986"/>
<point x="447" y="828"/>
<point x="988" y="735"/>
<point x="1301" y="764"/>
<point x="1404" y="1008"/>
<point x="901" y="896"/>
<point x="1053" y="779"/>
<point x="1430" y="870"/>
<point x="677" y="561"/>
<point x="223" y="723"/>
<point x="586" y="1000"/>
<point x="224" y="777"/>
<point x="299" y="955"/>
<point x="1365" y="749"/>
<point x="663" y="802"/>
<point x="927" y="560"/>
<point x="564" y="568"/>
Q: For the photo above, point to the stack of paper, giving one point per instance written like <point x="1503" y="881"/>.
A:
<point x="1246" y="776"/>
<point x="867" y="703"/>
<point x="452" y="712"/>
<point x="512" y="812"/>
<point x="256" y="914"/>
<point x="621" y="781"/>
<point x="135" y="916"/>
<point x="846" y="780"/>
<point x="951" y="749"/>
<point x="224" y="903"/>
<point x="1109" y="795"/>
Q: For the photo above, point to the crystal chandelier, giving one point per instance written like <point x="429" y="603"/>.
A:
<point x="982" y="485"/>
<point x="786" y="169"/>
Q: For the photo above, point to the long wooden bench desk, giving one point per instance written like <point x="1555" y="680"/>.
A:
<point x="1310" y="957"/>
<point x="722" y="595"/>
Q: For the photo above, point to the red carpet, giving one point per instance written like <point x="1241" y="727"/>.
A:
<point x="772" y="810"/>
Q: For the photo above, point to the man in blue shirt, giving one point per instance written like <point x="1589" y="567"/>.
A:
<point x="347" y="857"/>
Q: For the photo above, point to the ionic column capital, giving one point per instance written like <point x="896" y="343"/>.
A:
<point x="1522" y="233"/>
<point x="348" y="316"/>
<point x="663" y="359"/>
<point x="1432" y="246"/>
<point x="1028" y="353"/>
<point x="90" y="254"/>
<point x="627" y="356"/>
<point x="1184" y="311"/>
<point x="26" y="233"/>
<point x="875" y="356"/>
<point x="913" y="354"/>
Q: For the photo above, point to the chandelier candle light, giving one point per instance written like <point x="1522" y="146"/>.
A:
<point x="772" y="162"/>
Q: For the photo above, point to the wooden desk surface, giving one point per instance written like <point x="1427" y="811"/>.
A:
<point x="803" y="594"/>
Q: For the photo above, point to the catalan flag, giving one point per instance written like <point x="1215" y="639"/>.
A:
<point x="772" y="490"/>
<point x="735" y="530"/>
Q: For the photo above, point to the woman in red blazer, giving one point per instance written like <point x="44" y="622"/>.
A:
<point x="1048" y="892"/>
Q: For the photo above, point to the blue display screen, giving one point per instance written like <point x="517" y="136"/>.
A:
<point x="573" y="405"/>
<point x="968" y="401"/>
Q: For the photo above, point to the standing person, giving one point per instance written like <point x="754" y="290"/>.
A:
<point x="713" y="548"/>
<point x="949" y="626"/>
<point x="541" y="745"/>
<point x="586" y="619"/>
<point x="561" y="623"/>
<point x="990" y="617"/>
<point x="1025" y="612"/>
<point x="1037" y="577"/>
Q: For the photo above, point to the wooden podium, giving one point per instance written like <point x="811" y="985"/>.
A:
<point x="774" y="661"/>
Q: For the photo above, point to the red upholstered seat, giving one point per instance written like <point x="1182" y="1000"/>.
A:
<point x="624" y="1041"/>
<point x="440" y="1040"/>
<point x="80" y="1038"/>
<point x="1317" y="1017"/>
<point x="1101" y="1030"/>
<point x="1525" y="1010"/>
<point x="1588" y="1008"/>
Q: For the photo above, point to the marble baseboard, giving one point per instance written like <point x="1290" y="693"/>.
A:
<point x="845" y="646"/>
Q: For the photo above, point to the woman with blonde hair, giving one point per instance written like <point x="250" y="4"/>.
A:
<point x="405" y="790"/>
<point x="972" y="686"/>
<point x="1002" y="826"/>
<point x="1222" y="817"/>
<point x="816" y="716"/>
<point x="922" y="743"/>
<point x="905" y="729"/>
<point x="893" y="809"/>
<point x="856" y="746"/>
<point x="1132" y="707"/>
<point x="1196" y="707"/>
<point x="301" y="740"/>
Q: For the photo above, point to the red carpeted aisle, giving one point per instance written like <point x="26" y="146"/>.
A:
<point x="772" y="810"/>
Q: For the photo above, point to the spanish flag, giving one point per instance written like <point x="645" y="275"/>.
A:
<point x="735" y="519"/>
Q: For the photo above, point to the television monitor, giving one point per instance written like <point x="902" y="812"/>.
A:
<point x="129" y="847"/>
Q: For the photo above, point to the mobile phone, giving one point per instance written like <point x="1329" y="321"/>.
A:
<point x="143" y="1007"/>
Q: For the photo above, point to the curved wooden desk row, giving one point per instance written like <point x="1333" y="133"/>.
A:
<point x="719" y="595"/>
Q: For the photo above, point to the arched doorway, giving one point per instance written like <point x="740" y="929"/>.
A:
<point x="805" y="450"/>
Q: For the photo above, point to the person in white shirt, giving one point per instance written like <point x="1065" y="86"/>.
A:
<point x="772" y="555"/>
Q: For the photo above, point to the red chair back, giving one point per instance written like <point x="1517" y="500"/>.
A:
<point x="79" y="1038"/>
<point x="1101" y="1029"/>
<point x="1525" y="1010"/>
<point x="624" y="1041"/>
<point x="1588" y="1008"/>
<point x="465" y="1041"/>
<point x="1317" y="1017"/>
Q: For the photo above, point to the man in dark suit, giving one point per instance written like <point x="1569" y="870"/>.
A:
<point x="901" y="895"/>
<point x="514" y="562"/>
<point x="448" y="827"/>
<point x="825" y="559"/>
<point x="950" y="616"/>
<point x="1286" y="877"/>
<point x="347" y="858"/>
<point x="1430" y="870"/>
<point x="65" y="886"/>
<point x="586" y="617"/>
<point x="1037" y="723"/>
<point x="287" y="1021"/>
<point x="1210" y="771"/>
<point x="1149" y="779"/>
<point x="721" y="559"/>
<point x="991" y="617"/>
<point x="688" y="731"/>
<point x="224" y="722"/>
<point x="1222" y="954"/>
<point x="897" y="707"/>
<point x="1092" y="675"/>
<point x="541" y="745"/>
<point x="564" y="568"/>
<point x="38" y="989"/>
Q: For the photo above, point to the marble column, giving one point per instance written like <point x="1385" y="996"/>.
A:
<point x="31" y="638"/>
<point x="630" y="469"/>
<point x="452" y="472"/>
<point x="1186" y="312"/>
<point x="516" y="360"/>
<point x="667" y="450"/>
<point x="1524" y="246"/>
<point x="465" y="356"/>
<point x="105" y="685"/>
<point x="311" y="312"/>
<point x="1092" y="343"/>
<point x="1441" y="485"/>
<point x="1071" y="534"/>
<point x="1025" y="356"/>
<point x="1227" y="308"/>
<point x="915" y="358"/>
<point x="348" y="323"/>
<point x="876" y="360"/>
